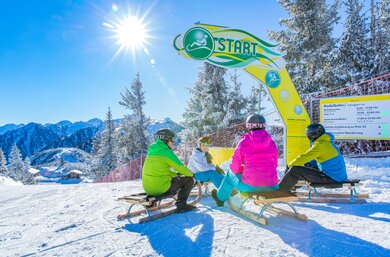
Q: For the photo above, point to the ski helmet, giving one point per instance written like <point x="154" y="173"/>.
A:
<point x="255" y="121"/>
<point x="165" y="135"/>
<point x="314" y="131"/>
<point x="204" y="140"/>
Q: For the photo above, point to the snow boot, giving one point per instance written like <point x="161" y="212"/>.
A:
<point x="215" y="197"/>
<point x="185" y="207"/>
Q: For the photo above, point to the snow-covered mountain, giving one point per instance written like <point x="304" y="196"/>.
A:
<point x="33" y="137"/>
<point x="9" y="127"/>
<point x="30" y="139"/>
<point x="54" y="157"/>
<point x="166" y="123"/>
<point x="67" y="128"/>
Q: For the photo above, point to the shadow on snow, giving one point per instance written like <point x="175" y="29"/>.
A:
<point x="184" y="234"/>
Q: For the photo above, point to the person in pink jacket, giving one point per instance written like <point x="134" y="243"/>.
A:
<point x="254" y="162"/>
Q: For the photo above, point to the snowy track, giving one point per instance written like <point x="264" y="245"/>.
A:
<point x="80" y="220"/>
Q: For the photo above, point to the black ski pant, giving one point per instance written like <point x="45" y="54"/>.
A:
<point x="181" y="186"/>
<point x="303" y="173"/>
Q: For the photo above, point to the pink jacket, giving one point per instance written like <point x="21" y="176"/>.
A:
<point x="256" y="157"/>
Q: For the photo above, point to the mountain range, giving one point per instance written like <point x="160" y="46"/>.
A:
<point x="34" y="137"/>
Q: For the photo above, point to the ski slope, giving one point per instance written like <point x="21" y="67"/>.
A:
<point x="80" y="220"/>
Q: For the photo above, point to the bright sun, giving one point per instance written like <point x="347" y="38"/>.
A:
<point x="131" y="33"/>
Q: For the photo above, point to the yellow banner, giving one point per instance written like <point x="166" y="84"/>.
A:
<point x="235" y="48"/>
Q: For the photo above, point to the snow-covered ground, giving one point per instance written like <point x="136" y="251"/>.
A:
<point x="80" y="220"/>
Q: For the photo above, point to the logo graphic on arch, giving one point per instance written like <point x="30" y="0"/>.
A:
<point x="272" y="79"/>
<point x="198" y="43"/>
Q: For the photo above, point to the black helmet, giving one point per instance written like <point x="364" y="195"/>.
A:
<point x="314" y="131"/>
<point x="165" y="134"/>
<point x="255" y="121"/>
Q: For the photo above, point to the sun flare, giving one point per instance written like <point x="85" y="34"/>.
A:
<point x="131" y="33"/>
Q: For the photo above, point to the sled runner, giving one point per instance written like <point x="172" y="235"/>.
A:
<point x="204" y="188"/>
<point x="266" y="202"/>
<point x="150" y="204"/>
<point x="352" y="197"/>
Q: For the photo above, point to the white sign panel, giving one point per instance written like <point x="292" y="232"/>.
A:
<point x="365" y="117"/>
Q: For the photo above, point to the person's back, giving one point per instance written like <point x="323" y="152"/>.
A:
<point x="331" y="166"/>
<point x="327" y="154"/>
<point x="156" y="173"/>
<point x="254" y="162"/>
<point x="158" y="178"/>
<point x="258" y="154"/>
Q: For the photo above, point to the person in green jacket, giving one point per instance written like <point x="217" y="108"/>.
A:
<point x="163" y="174"/>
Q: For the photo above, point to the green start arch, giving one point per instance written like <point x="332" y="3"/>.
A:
<point x="238" y="49"/>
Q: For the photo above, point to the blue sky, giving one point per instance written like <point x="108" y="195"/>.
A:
<point x="57" y="58"/>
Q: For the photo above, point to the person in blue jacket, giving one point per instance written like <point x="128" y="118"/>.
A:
<point x="200" y="163"/>
<point x="329" y="165"/>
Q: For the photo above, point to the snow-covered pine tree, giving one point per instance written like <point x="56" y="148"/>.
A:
<point x="3" y="164"/>
<point x="352" y="59"/>
<point x="382" y="47"/>
<point x="307" y="42"/>
<point x="127" y="147"/>
<point x="134" y="100"/>
<point x="28" y="177"/>
<point x="105" y="159"/>
<point x="207" y="105"/>
<point x="253" y="99"/>
<point x="257" y="95"/>
<point x="16" y="165"/>
<point x="235" y="111"/>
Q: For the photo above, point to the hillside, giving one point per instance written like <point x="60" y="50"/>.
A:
<point x="79" y="220"/>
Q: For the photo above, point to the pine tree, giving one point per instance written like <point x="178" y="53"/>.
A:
<point x="127" y="148"/>
<point x="382" y="47"/>
<point x="16" y="165"/>
<point x="3" y="164"/>
<point x="307" y="43"/>
<point x="253" y="100"/>
<point x="235" y="111"/>
<point x="27" y="176"/>
<point x="134" y="100"/>
<point x="207" y="105"/>
<point x="353" y="56"/>
<point x="257" y="94"/>
<point x="105" y="156"/>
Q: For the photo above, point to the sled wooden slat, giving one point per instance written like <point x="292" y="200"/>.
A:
<point x="250" y="215"/>
<point x="332" y="195"/>
<point x="332" y="200"/>
<point x="151" y="204"/>
<point x="298" y="216"/>
<point x="281" y="199"/>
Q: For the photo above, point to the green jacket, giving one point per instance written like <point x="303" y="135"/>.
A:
<point x="157" y="172"/>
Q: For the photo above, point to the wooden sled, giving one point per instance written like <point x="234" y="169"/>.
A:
<point x="204" y="188"/>
<point x="266" y="204"/>
<point x="352" y="197"/>
<point x="150" y="204"/>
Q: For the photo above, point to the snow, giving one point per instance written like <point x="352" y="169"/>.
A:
<point x="80" y="220"/>
<point x="6" y="181"/>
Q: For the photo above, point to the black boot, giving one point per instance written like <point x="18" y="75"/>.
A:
<point x="215" y="197"/>
<point x="185" y="207"/>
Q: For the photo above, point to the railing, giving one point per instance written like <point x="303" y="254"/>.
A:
<point x="128" y="171"/>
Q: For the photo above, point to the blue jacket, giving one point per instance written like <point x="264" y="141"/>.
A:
<point x="327" y="154"/>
